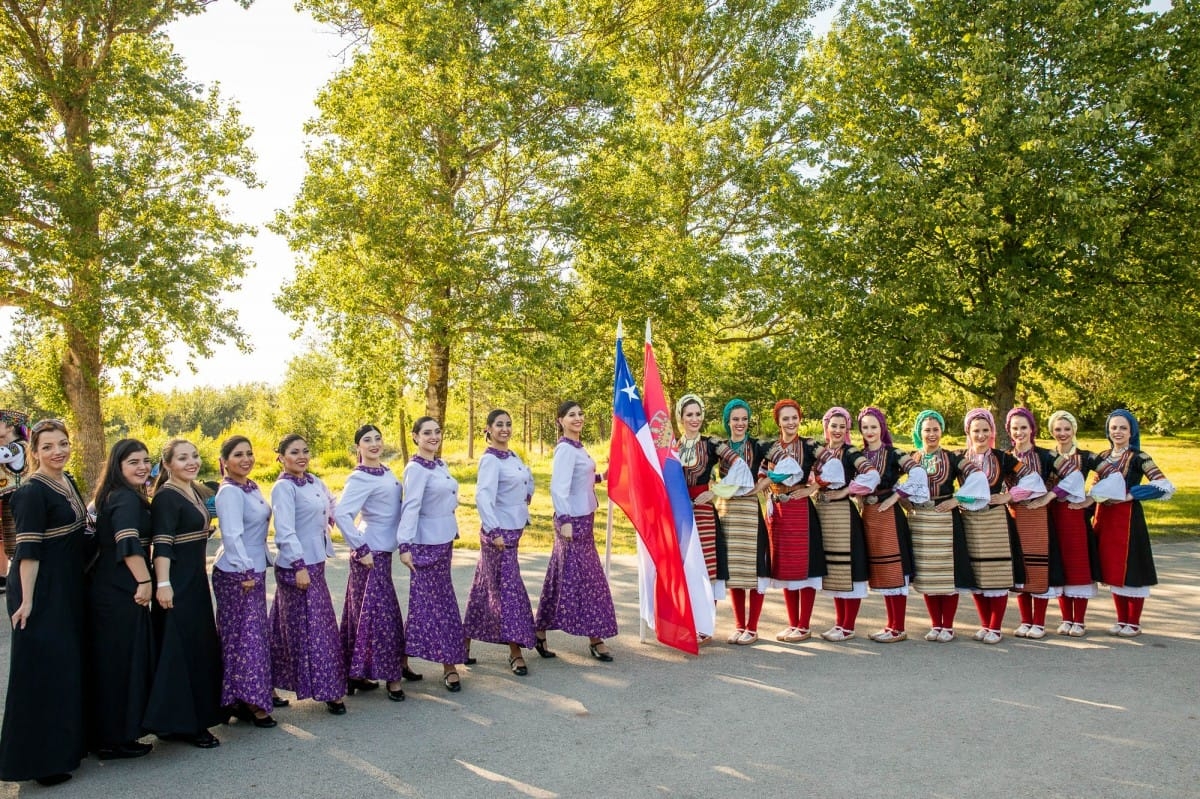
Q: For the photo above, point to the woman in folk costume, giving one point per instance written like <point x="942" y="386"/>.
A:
<point x="239" y="580"/>
<point x="1126" y="562"/>
<point x="841" y="525"/>
<point x="575" y="594"/>
<point x="747" y="546"/>
<point x="939" y="541"/>
<point x="372" y="628"/>
<point x="1073" y="530"/>
<point x="797" y="550"/>
<point x="990" y="537"/>
<point x="1041" y="560"/>
<point x="885" y="528"/>
<point x="426" y="536"/>
<point x="498" y="609"/>
<point x="306" y="649"/>
<point x="43" y="735"/>
<point x="698" y="456"/>
<point x="13" y="435"/>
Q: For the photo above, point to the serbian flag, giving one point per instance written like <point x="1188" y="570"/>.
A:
<point x="658" y="416"/>
<point x="635" y="483"/>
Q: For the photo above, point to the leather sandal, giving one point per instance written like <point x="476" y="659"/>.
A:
<point x="520" y="670"/>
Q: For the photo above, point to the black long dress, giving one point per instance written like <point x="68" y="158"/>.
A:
<point x="186" y="694"/>
<point x="120" y="638"/>
<point x="43" y="730"/>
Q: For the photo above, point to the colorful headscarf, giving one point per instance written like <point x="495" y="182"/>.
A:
<point x="1054" y="417"/>
<point x="729" y="406"/>
<point x="1025" y="412"/>
<point x="885" y="436"/>
<point x="1135" y="435"/>
<point x="18" y="420"/>
<point x="921" y="417"/>
<point x="986" y="415"/>
<point x="836" y="410"/>
<point x="786" y="403"/>
<point x="684" y="401"/>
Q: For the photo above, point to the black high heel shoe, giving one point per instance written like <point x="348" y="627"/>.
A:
<point x="396" y="695"/>
<point x="605" y="657"/>
<point x="336" y="708"/>
<point x="411" y="675"/>
<point x="359" y="684"/>
<point x="279" y="701"/>
<point x="544" y="650"/>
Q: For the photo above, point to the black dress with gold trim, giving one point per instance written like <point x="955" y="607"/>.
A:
<point x="185" y="696"/>
<point x="120" y="636"/>
<point x="43" y="731"/>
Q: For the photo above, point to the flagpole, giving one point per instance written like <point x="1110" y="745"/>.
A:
<point x="641" y="619"/>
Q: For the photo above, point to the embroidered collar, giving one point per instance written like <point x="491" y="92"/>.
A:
<point x="378" y="471"/>
<point x="301" y="481"/>
<point x="249" y="486"/>
<point x="572" y="442"/>
<point x="426" y="462"/>
<point x="499" y="453"/>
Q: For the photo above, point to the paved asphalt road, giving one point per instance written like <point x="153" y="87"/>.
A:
<point x="1093" y="717"/>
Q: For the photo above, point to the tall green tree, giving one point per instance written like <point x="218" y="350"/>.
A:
<point x="114" y="163"/>
<point x="1000" y="185"/>
<point x="672" y="204"/>
<point x="430" y="208"/>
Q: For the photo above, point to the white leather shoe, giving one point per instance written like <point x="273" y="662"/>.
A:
<point x="933" y="634"/>
<point x="1036" y="631"/>
<point x="1023" y="630"/>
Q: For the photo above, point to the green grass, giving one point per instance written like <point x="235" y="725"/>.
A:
<point x="1177" y="456"/>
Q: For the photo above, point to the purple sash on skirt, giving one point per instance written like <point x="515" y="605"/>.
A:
<point x="575" y="596"/>
<point x="306" y="652"/>
<point x="245" y="651"/>
<point x="372" y="628"/>
<point x="435" y="628"/>
<point x="498" y="609"/>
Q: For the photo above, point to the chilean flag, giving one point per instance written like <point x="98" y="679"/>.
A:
<point x="635" y="483"/>
<point x="659" y="418"/>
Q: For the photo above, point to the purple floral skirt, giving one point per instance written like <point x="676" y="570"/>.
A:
<point x="245" y="651"/>
<point x="575" y="596"/>
<point x="306" y="651"/>
<point x="498" y="609"/>
<point x="435" y="629"/>
<point x="372" y="628"/>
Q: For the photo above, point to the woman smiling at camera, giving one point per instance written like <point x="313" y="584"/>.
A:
<point x="43" y="734"/>
<point x="426" y="539"/>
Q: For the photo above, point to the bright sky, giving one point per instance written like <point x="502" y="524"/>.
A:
<point x="270" y="60"/>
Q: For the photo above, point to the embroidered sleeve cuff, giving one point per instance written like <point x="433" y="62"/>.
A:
<point x="362" y="551"/>
<point x="405" y="546"/>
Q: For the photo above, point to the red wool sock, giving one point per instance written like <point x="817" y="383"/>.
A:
<point x="1066" y="607"/>
<point x="982" y="608"/>
<point x="808" y="597"/>
<point x="737" y="598"/>
<point x="850" y="608"/>
<point x="756" y="603"/>
<point x="1080" y="604"/>
<point x="1121" y="603"/>
<point x="890" y="606"/>
<point x="1135" y="609"/>
<point x="949" y="610"/>
<point x="839" y="610"/>
<point x="897" y="612"/>
<point x="1039" y="611"/>
<point x="1025" y="606"/>
<point x="791" y="598"/>
<point x="996" y="617"/>
<point x="933" y="604"/>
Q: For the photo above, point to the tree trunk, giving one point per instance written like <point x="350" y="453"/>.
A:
<point x="80" y="371"/>
<point x="437" y="381"/>
<point x="471" y="414"/>
<point x="1004" y="397"/>
<point x="403" y="433"/>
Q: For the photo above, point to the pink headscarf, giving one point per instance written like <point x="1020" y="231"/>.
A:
<point x="986" y="415"/>
<point x="1033" y="427"/>
<point x="885" y="436"/>
<point x="832" y="412"/>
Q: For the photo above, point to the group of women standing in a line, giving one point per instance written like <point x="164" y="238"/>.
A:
<point x="143" y="653"/>
<point x="980" y="521"/>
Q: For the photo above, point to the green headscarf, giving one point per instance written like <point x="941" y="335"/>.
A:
<point x="729" y="406"/>
<point x="921" y="417"/>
